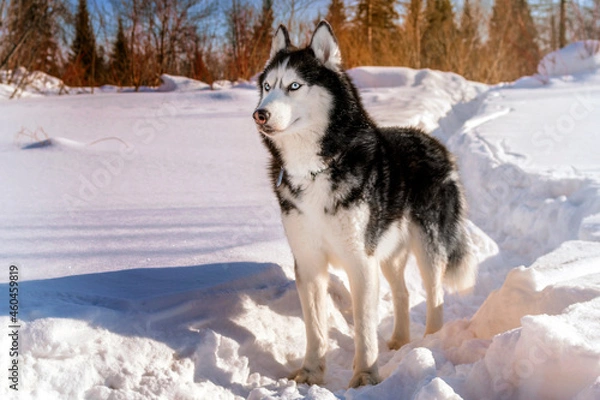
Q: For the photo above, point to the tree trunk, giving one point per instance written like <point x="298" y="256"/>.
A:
<point x="562" y="25"/>
<point x="370" y="26"/>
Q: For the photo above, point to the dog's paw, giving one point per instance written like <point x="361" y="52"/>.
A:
<point x="305" y="375"/>
<point x="395" y="344"/>
<point x="364" y="378"/>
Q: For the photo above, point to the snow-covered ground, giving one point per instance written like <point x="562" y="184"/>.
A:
<point x="152" y="263"/>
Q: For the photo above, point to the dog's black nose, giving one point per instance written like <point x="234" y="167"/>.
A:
<point x="261" y="116"/>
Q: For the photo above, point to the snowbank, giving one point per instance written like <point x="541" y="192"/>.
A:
<point x="221" y="84"/>
<point x="524" y="152"/>
<point x="34" y="84"/>
<point x="29" y="84"/>
<point x="171" y="83"/>
<point x="571" y="63"/>
<point x="569" y="275"/>
<point x="574" y="58"/>
<point x="379" y="77"/>
<point x="545" y="325"/>
<point x="388" y="77"/>
<point x="404" y="96"/>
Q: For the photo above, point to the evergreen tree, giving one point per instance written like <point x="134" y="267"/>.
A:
<point x="512" y="41"/>
<point x="468" y="25"/>
<point x="120" y="61"/>
<point x="438" y="36"/>
<point x="336" y="16"/>
<point x="413" y="30"/>
<point x="102" y="73"/>
<point x="84" y="57"/>
<point x="377" y="34"/>
<point x="469" y="44"/>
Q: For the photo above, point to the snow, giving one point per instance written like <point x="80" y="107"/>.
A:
<point x="424" y="97"/>
<point x="577" y="57"/>
<point x="529" y="155"/>
<point x="31" y="84"/>
<point x="22" y="83"/>
<point x="170" y="83"/>
<point x="153" y="265"/>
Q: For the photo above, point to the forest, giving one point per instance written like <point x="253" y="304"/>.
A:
<point x="134" y="42"/>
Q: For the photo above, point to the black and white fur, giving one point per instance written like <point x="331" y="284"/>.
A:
<point x="358" y="197"/>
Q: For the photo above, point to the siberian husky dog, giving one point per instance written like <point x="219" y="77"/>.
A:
<point x="356" y="196"/>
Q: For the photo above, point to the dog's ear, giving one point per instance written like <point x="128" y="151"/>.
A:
<point x="325" y="46"/>
<point x="281" y="41"/>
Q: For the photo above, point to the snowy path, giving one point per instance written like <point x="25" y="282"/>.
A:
<point x="154" y="266"/>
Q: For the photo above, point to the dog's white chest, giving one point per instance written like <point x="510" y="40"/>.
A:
<point x="316" y="197"/>
<point x="336" y="232"/>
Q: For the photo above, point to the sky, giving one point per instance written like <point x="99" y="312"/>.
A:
<point x="306" y="9"/>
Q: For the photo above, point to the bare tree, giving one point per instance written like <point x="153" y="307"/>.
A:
<point x="241" y="19"/>
<point x="163" y="35"/>
<point x="2" y="16"/>
<point x="584" y="21"/>
<point x="32" y="30"/>
<point x="261" y="37"/>
<point x="295" y="15"/>
<point x="172" y="25"/>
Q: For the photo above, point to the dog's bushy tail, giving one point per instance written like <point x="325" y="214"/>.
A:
<point x="461" y="270"/>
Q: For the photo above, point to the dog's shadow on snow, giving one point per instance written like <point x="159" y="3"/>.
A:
<point x="184" y="307"/>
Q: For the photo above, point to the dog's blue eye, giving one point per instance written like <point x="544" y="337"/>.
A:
<point x="295" y="86"/>
<point x="267" y="87"/>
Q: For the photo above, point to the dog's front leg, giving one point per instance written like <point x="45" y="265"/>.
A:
<point x="311" y="281"/>
<point x="364" y="285"/>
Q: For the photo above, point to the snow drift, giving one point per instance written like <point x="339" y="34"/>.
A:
<point x="21" y="83"/>
<point x="404" y="96"/>
<point x="575" y="58"/>
<point x="171" y="83"/>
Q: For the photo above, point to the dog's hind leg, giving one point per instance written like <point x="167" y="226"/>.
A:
<point x="431" y="261"/>
<point x="393" y="270"/>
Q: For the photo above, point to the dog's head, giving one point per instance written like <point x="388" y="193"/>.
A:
<point x="294" y="97"/>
